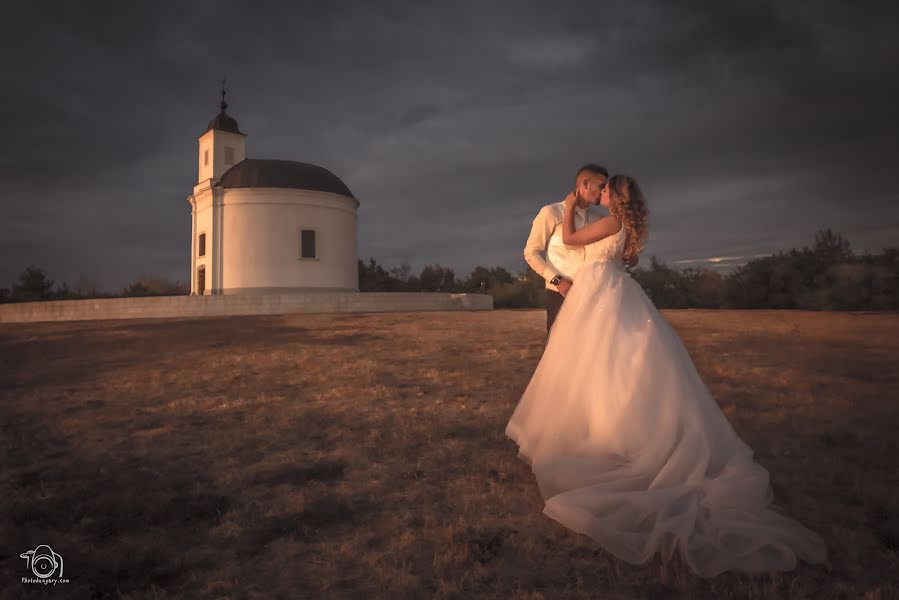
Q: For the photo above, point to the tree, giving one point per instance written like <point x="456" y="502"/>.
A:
<point x="706" y="288"/>
<point x="32" y="285"/>
<point x="479" y="280"/>
<point x="402" y="273"/>
<point x="832" y="247"/>
<point x="666" y="286"/>
<point x="527" y="290"/>
<point x="483" y="279"/>
<point x="500" y="275"/>
<point x="62" y="292"/>
<point x="136" y="288"/>
<point x="437" y="278"/>
<point x="373" y="278"/>
<point x="86" y="286"/>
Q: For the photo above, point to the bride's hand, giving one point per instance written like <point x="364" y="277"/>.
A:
<point x="570" y="199"/>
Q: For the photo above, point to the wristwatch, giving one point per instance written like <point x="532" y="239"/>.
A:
<point x="556" y="280"/>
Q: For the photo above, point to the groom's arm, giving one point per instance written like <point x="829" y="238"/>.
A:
<point x="541" y="231"/>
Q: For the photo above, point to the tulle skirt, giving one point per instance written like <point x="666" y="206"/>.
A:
<point x="629" y="447"/>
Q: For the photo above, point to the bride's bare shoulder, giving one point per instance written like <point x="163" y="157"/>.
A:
<point x="609" y="225"/>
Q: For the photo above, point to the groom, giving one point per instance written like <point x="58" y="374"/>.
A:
<point x="561" y="262"/>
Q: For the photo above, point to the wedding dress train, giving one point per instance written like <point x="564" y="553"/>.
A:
<point x="629" y="447"/>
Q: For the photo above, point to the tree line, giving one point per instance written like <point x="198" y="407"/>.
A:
<point x="33" y="284"/>
<point x="825" y="276"/>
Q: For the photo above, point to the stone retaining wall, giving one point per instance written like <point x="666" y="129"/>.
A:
<point x="221" y="305"/>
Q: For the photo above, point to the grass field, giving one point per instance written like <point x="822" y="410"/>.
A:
<point x="364" y="455"/>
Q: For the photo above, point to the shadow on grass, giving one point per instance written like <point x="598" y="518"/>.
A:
<point x="124" y="523"/>
<point x="37" y="354"/>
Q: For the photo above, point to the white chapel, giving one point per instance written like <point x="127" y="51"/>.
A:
<point x="264" y="225"/>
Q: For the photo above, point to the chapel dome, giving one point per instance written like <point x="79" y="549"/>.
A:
<point x="273" y="173"/>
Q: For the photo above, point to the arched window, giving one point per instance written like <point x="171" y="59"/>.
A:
<point x="201" y="280"/>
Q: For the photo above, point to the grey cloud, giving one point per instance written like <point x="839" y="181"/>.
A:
<point x="749" y="124"/>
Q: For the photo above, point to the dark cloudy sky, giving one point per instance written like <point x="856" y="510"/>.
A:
<point x="750" y="125"/>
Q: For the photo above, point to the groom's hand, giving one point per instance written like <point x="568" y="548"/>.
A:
<point x="564" y="286"/>
<point x="632" y="261"/>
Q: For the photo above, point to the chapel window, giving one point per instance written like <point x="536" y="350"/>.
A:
<point x="307" y="243"/>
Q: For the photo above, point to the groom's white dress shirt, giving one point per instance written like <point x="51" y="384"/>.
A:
<point x="544" y="250"/>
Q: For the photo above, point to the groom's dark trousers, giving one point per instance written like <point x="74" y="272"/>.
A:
<point x="553" y="303"/>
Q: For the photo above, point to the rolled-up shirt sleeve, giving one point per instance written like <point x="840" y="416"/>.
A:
<point x="535" y="247"/>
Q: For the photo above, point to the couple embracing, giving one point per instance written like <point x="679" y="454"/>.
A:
<point x="626" y="442"/>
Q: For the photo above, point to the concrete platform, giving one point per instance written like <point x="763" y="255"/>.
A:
<point x="153" y="307"/>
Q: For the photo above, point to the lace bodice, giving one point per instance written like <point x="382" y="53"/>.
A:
<point x="608" y="248"/>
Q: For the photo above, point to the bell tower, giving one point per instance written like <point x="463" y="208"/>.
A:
<point x="221" y="146"/>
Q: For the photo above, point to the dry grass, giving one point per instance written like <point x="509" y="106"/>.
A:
<point x="364" y="456"/>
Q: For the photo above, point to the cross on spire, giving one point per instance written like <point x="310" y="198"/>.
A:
<point x="224" y="104"/>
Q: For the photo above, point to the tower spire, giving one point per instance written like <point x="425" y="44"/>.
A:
<point x="224" y="104"/>
<point x="224" y="121"/>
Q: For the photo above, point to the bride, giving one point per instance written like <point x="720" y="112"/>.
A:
<point x="627" y="444"/>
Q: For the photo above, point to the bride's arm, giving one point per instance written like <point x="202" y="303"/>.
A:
<point x="593" y="232"/>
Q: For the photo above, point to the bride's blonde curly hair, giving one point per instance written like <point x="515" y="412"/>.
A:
<point x="628" y="206"/>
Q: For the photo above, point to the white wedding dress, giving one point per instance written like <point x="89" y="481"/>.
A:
<point x="629" y="447"/>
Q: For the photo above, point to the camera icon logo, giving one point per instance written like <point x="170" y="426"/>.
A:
<point x="43" y="561"/>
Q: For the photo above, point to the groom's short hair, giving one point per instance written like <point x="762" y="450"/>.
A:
<point x="593" y="168"/>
